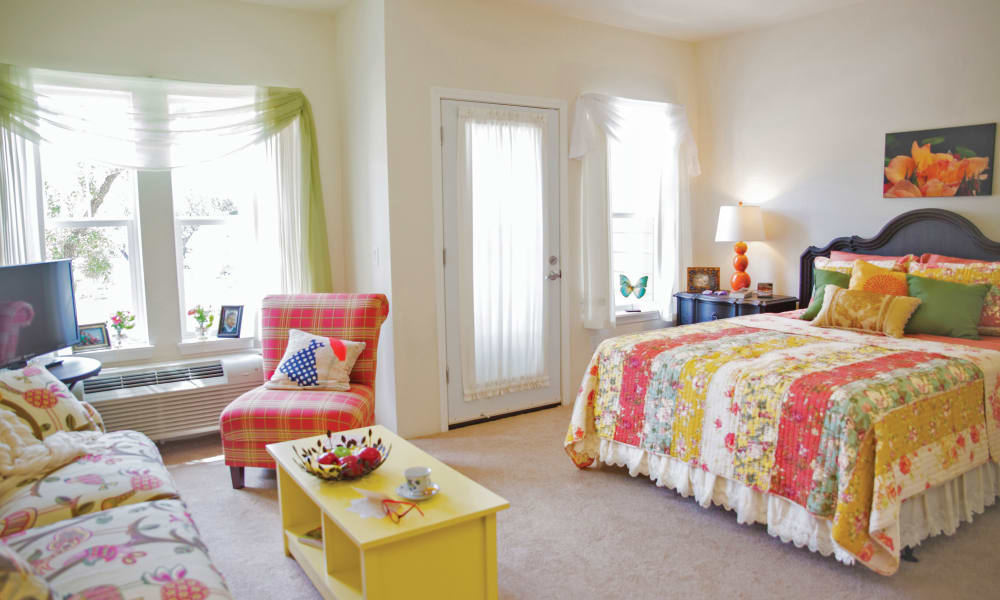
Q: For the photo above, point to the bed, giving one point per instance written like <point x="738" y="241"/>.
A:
<point x="851" y="444"/>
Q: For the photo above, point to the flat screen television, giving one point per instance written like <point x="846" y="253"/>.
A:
<point x="37" y="310"/>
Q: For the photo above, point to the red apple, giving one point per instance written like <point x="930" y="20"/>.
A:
<point x="370" y="456"/>
<point x="352" y="465"/>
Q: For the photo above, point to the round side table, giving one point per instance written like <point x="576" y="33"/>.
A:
<point x="75" y="368"/>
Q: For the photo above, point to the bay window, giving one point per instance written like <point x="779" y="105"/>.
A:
<point x="224" y="225"/>
<point x="143" y="183"/>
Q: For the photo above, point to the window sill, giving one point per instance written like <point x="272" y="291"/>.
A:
<point x="213" y="344"/>
<point x="107" y="356"/>
<point x="624" y="318"/>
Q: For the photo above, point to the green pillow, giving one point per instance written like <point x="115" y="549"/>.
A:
<point x="946" y="308"/>
<point x="821" y="279"/>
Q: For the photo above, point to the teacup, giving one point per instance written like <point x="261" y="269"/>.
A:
<point x="418" y="480"/>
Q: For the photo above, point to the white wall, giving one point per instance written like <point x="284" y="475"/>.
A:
<point x="795" y="117"/>
<point x="499" y="47"/>
<point x="195" y="40"/>
<point x="360" y="69"/>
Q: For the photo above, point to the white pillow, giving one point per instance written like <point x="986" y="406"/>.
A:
<point x="315" y="362"/>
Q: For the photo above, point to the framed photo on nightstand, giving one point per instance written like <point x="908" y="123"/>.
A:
<point x="700" y="279"/>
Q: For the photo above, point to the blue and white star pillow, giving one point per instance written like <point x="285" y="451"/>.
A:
<point x="314" y="362"/>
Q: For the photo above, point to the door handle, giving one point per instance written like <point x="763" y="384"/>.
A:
<point x="553" y="275"/>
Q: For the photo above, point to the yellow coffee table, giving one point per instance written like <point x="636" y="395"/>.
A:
<point x="450" y="552"/>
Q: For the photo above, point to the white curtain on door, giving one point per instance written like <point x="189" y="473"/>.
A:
<point x="501" y="269"/>
<point x="598" y="118"/>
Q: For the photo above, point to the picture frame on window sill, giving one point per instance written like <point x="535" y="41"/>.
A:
<point x="230" y="321"/>
<point x="700" y="279"/>
<point x="93" y="336"/>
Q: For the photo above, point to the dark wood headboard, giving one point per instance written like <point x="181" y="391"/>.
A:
<point x="933" y="230"/>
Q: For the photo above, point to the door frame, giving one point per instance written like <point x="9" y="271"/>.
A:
<point x="561" y="106"/>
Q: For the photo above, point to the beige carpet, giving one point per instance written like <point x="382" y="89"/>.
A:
<point x="582" y="534"/>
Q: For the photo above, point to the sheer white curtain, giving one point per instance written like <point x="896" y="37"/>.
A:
<point x="20" y="200"/>
<point x="663" y="134"/>
<point x="156" y="124"/>
<point x="501" y="273"/>
<point x="20" y="190"/>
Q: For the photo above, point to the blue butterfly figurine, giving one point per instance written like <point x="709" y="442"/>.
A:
<point x="639" y="287"/>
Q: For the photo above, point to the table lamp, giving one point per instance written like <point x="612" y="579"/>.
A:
<point x="740" y="224"/>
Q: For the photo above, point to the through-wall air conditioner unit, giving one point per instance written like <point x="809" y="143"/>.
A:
<point x="172" y="400"/>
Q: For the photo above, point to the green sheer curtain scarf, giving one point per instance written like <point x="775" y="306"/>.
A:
<point x="146" y="123"/>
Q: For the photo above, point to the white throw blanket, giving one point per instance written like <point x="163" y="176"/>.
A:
<point x="21" y="453"/>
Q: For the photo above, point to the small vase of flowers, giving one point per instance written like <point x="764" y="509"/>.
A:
<point x="121" y="321"/>
<point x="203" y="318"/>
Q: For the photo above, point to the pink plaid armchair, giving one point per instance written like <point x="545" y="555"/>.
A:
<point x="263" y="416"/>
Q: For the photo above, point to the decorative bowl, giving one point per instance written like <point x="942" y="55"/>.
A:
<point x="348" y="459"/>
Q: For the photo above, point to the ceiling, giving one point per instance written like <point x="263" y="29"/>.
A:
<point x="689" y="19"/>
<point x="317" y="5"/>
<point x="678" y="19"/>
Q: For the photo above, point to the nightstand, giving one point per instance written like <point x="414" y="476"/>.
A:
<point x="696" y="308"/>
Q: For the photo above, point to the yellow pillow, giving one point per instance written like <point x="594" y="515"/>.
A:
<point x="868" y="312"/>
<point x="871" y="278"/>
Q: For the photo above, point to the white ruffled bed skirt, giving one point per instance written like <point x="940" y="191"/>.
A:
<point x="938" y="510"/>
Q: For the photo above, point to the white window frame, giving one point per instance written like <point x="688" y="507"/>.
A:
<point x="154" y="197"/>
<point x="135" y="256"/>
<point x="187" y="329"/>
<point x="620" y="302"/>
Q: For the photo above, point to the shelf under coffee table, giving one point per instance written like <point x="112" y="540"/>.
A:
<point x="450" y="552"/>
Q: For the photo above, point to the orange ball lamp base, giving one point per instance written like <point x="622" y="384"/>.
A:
<point x="740" y="278"/>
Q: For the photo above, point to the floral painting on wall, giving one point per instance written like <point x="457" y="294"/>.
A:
<point x="954" y="161"/>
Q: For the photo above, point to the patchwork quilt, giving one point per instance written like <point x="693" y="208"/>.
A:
<point x="846" y="425"/>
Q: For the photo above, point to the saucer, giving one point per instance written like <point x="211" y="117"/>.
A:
<point x="432" y="491"/>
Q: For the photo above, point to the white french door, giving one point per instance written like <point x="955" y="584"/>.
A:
<point x="500" y="183"/>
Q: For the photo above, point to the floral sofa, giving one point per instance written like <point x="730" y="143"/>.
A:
<point x="109" y="525"/>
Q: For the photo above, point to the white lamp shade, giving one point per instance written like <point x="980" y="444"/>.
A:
<point x="740" y="224"/>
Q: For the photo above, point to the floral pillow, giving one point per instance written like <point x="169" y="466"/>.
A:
<point x="18" y="580"/>
<point x="315" y="362"/>
<point x="970" y="273"/>
<point x="902" y="262"/>
<point x="43" y="402"/>
<point x="846" y="266"/>
<point x="867" y="312"/>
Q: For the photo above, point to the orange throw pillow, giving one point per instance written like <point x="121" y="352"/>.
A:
<point x="870" y="278"/>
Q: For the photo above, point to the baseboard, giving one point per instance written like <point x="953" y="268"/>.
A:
<point x="503" y="416"/>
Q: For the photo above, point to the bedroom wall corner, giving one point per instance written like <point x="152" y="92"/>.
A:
<point x="364" y="184"/>
<point x="794" y="117"/>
